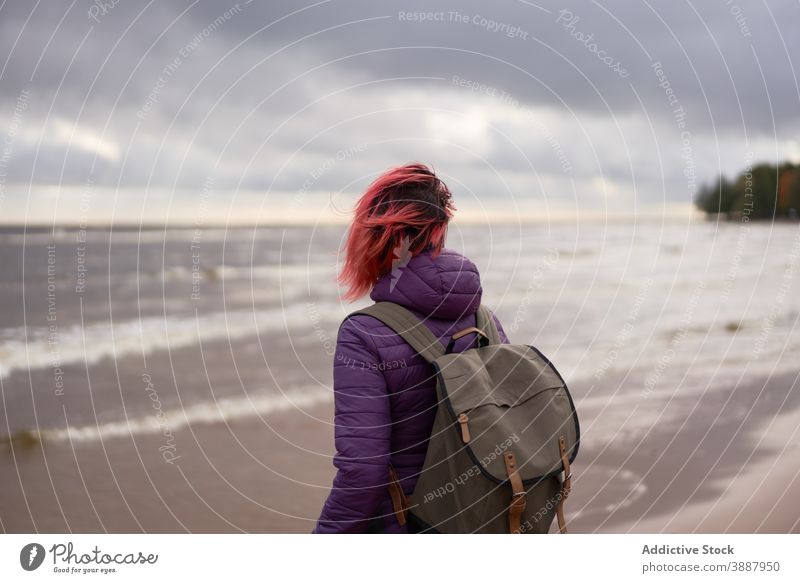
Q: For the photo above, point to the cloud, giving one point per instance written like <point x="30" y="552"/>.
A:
<point x="514" y="101"/>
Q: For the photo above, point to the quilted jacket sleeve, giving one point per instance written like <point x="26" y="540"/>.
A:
<point x="362" y="432"/>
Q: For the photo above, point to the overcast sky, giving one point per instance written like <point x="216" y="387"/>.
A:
<point x="201" y="112"/>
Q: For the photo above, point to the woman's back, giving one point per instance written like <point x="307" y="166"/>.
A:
<point x="385" y="394"/>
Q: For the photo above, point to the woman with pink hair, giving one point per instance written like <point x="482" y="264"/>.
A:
<point x="384" y="393"/>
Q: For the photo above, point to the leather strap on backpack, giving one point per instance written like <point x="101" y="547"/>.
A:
<point x="517" y="506"/>
<point x="399" y="499"/>
<point x="566" y="485"/>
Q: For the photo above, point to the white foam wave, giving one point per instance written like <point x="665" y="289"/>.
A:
<point x="171" y="420"/>
<point x="100" y="340"/>
<point x="143" y="236"/>
<point x="280" y="274"/>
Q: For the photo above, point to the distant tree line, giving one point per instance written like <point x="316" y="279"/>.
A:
<point x="765" y="191"/>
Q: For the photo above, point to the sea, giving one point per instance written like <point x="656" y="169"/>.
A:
<point x="110" y="332"/>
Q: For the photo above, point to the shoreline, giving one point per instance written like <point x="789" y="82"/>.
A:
<point x="762" y="500"/>
<point x="272" y="474"/>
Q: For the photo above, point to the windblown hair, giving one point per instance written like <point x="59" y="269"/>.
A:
<point x="406" y="207"/>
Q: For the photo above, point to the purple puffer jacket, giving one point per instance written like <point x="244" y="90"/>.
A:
<point x="385" y="394"/>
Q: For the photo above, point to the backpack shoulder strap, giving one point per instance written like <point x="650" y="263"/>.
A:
<point x="408" y="326"/>
<point x="484" y="321"/>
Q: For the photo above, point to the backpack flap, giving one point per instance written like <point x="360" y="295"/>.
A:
<point x="509" y="398"/>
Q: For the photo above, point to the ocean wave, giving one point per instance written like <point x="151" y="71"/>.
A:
<point x="37" y="348"/>
<point x="140" y="236"/>
<point x="171" y="420"/>
<point x="282" y="274"/>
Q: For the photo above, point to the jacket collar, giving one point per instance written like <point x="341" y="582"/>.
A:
<point x="446" y="286"/>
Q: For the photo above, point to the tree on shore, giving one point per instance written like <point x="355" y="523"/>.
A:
<point x="764" y="191"/>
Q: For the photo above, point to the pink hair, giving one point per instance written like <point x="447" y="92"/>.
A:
<point x="405" y="202"/>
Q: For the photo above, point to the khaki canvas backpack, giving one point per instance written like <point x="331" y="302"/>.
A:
<point x="505" y="431"/>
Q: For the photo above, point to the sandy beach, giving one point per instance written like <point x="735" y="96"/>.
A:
<point x="272" y="474"/>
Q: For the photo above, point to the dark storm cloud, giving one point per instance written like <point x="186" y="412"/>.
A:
<point x="265" y="93"/>
<point x="713" y="51"/>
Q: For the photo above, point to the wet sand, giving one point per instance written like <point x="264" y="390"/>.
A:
<point x="254" y="476"/>
<point x="731" y="465"/>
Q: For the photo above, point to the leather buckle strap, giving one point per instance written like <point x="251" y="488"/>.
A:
<point x="464" y="332"/>
<point x="566" y="485"/>
<point x="517" y="506"/>
<point x="399" y="498"/>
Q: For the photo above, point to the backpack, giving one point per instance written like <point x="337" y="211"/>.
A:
<point x="505" y="430"/>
